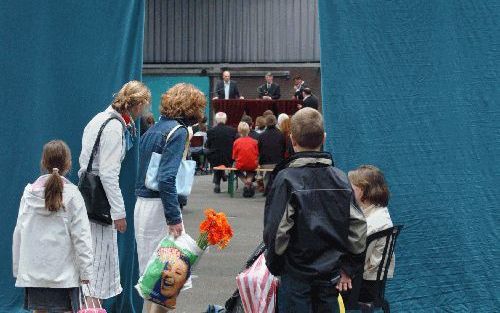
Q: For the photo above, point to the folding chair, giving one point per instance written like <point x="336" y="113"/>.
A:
<point x="380" y="301"/>
<point x="198" y="150"/>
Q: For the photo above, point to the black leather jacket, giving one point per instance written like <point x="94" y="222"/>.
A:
<point x="312" y="228"/>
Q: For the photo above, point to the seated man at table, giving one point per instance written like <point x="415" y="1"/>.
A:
<point x="220" y="146"/>
<point x="310" y="100"/>
<point x="298" y="87"/>
<point x="269" y="90"/>
<point x="226" y="88"/>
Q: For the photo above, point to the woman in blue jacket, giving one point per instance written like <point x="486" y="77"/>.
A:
<point x="157" y="213"/>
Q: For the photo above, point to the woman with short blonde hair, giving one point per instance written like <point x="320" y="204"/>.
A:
<point x="117" y="137"/>
<point x="157" y="213"/>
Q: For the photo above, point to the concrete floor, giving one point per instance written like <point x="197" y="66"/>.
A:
<point x="214" y="277"/>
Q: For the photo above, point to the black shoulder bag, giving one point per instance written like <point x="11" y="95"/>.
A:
<point x="96" y="201"/>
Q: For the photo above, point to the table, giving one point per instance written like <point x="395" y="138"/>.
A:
<point x="235" y="108"/>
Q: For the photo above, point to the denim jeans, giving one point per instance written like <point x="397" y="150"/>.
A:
<point x="296" y="296"/>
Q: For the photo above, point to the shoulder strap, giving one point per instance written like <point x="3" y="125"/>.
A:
<point x="187" y="139"/>
<point x="173" y="131"/>
<point x="97" y="141"/>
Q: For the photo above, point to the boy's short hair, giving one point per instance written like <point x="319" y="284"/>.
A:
<point x="247" y="119"/>
<point x="267" y="112"/>
<point x="307" y="128"/>
<point x="243" y="129"/>
<point x="260" y="122"/>
<point x="270" y="120"/>
<point x="307" y="91"/>
<point x="372" y="183"/>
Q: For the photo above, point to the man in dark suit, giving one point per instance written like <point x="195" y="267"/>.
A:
<point x="310" y="100"/>
<point x="220" y="146"/>
<point x="269" y="90"/>
<point x="226" y="88"/>
<point x="298" y="86"/>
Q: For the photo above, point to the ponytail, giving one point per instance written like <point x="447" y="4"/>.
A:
<point x="56" y="160"/>
<point x="54" y="191"/>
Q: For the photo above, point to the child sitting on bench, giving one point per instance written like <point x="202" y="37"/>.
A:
<point x="246" y="156"/>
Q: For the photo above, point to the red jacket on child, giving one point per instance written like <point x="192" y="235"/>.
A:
<point x="246" y="154"/>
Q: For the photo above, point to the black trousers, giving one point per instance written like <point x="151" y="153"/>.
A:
<point x="218" y="176"/>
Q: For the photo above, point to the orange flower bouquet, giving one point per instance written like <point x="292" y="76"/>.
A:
<point x="214" y="230"/>
<point x="169" y="268"/>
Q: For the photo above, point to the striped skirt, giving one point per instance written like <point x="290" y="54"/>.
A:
<point x="106" y="280"/>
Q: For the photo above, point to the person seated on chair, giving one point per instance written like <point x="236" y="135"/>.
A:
<point x="198" y="153"/>
<point x="309" y="100"/>
<point x="269" y="90"/>
<point x="246" y="156"/>
<point x="372" y="196"/>
<point x="260" y="124"/>
<point x="220" y="146"/>
<point x="271" y="147"/>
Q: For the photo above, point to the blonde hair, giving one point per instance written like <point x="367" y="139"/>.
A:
<point x="285" y="127"/>
<point x="183" y="101"/>
<point x="282" y="117"/>
<point x="243" y="129"/>
<point x="307" y="128"/>
<point x="372" y="183"/>
<point x="56" y="160"/>
<point x="131" y="94"/>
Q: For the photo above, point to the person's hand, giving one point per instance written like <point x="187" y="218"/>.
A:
<point x="267" y="98"/>
<point x="121" y="225"/>
<point x="344" y="283"/>
<point x="85" y="282"/>
<point x="175" y="230"/>
<point x="299" y="106"/>
<point x="215" y="98"/>
<point x="241" y="97"/>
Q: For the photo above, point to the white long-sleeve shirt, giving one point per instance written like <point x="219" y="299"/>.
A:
<point x="51" y="249"/>
<point x="109" y="157"/>
<point x="377" y="219"/>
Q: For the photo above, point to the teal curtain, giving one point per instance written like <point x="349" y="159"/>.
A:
<point x="412" y="86"/>
<point x="161" y="83"/>
<point x="61" y="62"/>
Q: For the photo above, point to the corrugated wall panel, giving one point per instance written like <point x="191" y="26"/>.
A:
<point x="232" y="31"/>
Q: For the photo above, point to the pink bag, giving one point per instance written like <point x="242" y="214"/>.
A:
<point x="258" y="288"/>
<point x="84" y="307"/>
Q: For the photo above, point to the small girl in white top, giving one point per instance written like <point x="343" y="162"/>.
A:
<point x="52" y="248"/>
<point x="372" y="196"/>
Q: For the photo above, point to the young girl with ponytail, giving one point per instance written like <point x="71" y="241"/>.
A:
<point x="52" y="248"/>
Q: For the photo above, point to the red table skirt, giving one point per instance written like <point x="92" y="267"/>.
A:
<point x="236" y="108"/>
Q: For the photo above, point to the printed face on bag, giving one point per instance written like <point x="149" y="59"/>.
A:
<point x="174" y="276"/>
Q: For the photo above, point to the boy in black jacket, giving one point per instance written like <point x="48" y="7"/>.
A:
<point x="314" y="234"/>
